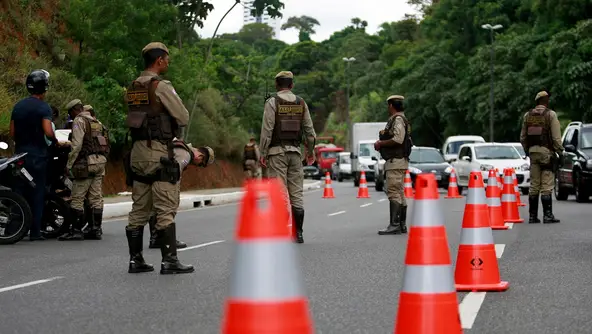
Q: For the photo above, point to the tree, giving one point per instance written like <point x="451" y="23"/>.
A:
<point x="250" y="33"/>
<point x="359" y="23"/>
<point x="304" y="24"/>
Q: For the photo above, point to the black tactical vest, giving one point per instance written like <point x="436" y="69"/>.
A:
<point x="250" y="153"/>
<point x="538" y="128"/>
<point x="399" y="151"/>
<point x="289" y="117"/>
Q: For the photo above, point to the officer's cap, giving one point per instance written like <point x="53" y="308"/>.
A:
<point x="540" y="94"/>
<point x="285" y="74"/>
<point x="72" y="103"/>
<point x="155" y="45"/>
<point x="396" y="98"/>
<point x="209" y="154"/>
<point x="88" y="107"/>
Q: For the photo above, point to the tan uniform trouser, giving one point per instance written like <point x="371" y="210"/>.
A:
<point x="541" y="181"/>
<point x="287" y="166"/>
<point x="252" y="169"/>
<point x="91" y="188"/>
<point x="394" y="186"/>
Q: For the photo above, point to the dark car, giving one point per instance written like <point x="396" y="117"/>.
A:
<point x="429" y="160"/>
<point x="574" y="175"/>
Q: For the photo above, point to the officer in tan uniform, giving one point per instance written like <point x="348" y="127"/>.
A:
<point x="394" y="145"/>
<point x="86" y="163"/>
<point x="155" y="117"/>
<point x="541" y="140"/>
<point x="251" y="157"/>
<point x="286" y="119"/>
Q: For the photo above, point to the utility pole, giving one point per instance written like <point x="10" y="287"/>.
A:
<point x="491" y="29"/>
<point x="347" y="115"/>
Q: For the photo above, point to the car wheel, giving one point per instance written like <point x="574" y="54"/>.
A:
<point x="561" y="194"/>
<point x="339" y="177"/>
<point x="524" y="191"/>
<point x="581" y="194"/>
<point x="460" y="189"/>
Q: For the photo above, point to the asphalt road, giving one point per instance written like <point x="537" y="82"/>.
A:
<point x="352" y="276"/>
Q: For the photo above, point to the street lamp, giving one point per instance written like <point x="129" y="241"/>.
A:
<point x="348" y="118"/>
<point x="491" y="29"/>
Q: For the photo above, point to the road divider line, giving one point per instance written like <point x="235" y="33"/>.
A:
<point x="335" y="213"/>
<point x="499" y="250"/>
<point x="382" y="200"/>
<point x="365" y="205"/>
<point x="24" y="285"/>
<point x="510" y="225"/>
<point x="469" y="308"/>
<point x="201" y="245"/>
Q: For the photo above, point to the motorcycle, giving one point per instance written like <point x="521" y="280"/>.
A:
<point x="57" y="216"/>
<point x="15" y="213"/>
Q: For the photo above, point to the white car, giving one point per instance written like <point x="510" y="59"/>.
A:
<point x="452" y="145"/>
<point x="520" y="149"/>
<point x="485" y="156"/>
<point x="342" y="166"/>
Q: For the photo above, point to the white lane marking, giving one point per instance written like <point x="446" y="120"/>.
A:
<point x="499" y="250"/>
<point x="365" y="205"/>
<point x="382" y="200"/>
<point x="469" y="308"/>
<point x="335" y="213"/>
<point x="510" y="225"/>
<point x="24" y="285"/>
<point x="201" y="245"/>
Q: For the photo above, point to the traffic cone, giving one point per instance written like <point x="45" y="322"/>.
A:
<point x="494" y="204"/>
<point x="509" y="205"/>
<point x="499" y="182"/>
<point x="515" y="180"/>
<point x="407" y="185"/>
<point x="427" y="303"/>
<point x="266" y="289"/>
<point x="453" y="186"/>
<point x="363" y="188"/>
<point x="328" y="192"/>
<point x="476" y="263"/>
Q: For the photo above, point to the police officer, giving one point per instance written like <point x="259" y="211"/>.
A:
<point x="86" y="163"/>
<point x="286" y="119"/>
<point x="394" y="145"/>
<point x="185" y="154"/>
<point x="155" y="117"/>
<point x="541" y="140"/>
<point x="251" y="157"/>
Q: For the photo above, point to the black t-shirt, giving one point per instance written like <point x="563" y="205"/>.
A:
<point x="28" y="115"/>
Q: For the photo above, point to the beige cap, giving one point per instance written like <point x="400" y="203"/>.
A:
<point x="541" y="94"/>
<point x="73" y="103"/>
<point x="88" y="107"/>
<point x="155" y="45"/>
<point x="285" y="74"/>
<point x="395" y="97"/>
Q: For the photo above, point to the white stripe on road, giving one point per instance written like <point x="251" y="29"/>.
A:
<point x="499" y="250"/>
<point x="365" y="205"/>
<point x="510" y="225"/>
<point x="336" y="213"/>
<point x="200" y="246"/>
<point x="24" y="285"/>
<point x="382" y="200"/>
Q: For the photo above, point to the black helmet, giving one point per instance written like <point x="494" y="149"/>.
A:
<point x="38" y="82"/>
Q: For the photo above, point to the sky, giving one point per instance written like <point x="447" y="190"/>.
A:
<point x="334" y="15"/>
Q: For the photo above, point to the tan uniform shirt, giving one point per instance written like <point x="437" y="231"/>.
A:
<point x="555" y="135"/>
<point x="398" y="129"/>
<point x="79" y="127"/>
<point x="269" y="123"/>
<point x="146" y="160"/>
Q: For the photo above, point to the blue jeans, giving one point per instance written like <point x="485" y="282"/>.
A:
<point x="37" y="167"/>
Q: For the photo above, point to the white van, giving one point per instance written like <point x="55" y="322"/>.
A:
<point x="453" y="143"/>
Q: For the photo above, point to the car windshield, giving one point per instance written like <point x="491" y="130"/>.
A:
<point x="425" y="156"/>
<point x="345" y="159"/>
<point x="329" y="155"/>
<point x="367" y="150"/>
<point x="520" y="149"/>
<point x="586" y="138"/>
<point x="496" y="152"/>
<point x="454" y="147"/>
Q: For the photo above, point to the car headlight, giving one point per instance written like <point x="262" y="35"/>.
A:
<point x="524" y="167"/>
<point x="362" y="166"/>
<point x="448" y="170"/>
<point x="485" y="167"/>
<point x="414" y="170"/>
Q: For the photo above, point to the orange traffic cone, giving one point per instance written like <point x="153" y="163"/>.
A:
<point x="363" y="188"/>
<point x="476" y="264"/>
<point x="515" y="181"/>
<point x="499" y="182"/>
<point x="494" y="204"/>
<point x="427" y="302"/>
<point x="453" y="186"/>
<point x="407" y="185"/>
<point x="509" y="205"/>
<point x="328" y="192"/>
<point x="266" y="294"/>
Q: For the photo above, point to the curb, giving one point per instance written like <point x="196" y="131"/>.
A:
<point x="115" y="210"/>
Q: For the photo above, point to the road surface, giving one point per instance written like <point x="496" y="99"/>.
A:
<point x="352" y="275"/>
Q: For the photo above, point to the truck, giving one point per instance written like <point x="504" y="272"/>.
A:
<point x="363" y="137"/>
<point x="325" y="155"/>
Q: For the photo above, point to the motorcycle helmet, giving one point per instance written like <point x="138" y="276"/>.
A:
<point x="38" y="82"/>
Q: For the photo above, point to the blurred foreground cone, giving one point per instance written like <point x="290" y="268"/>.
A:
<point x="509" y="204"/>
<point x="266" y="293"/>
<point x="476" y="264"/>
<point x="494" y="204"/>
<point x="363" y="188"/>
<point x="328" y="192"/>
<point x="427" y="302"/>
<point x="408" y="186"/>
<point x="453" y="186"/>
<point x="515" y="180"/>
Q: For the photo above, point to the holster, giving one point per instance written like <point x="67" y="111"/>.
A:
<point x="171" y="171"/>
<point x="80" y="170"/>
<point x="553" y="164"/>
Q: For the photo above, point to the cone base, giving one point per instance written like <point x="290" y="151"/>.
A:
<point x="499" y="287"/>
<point x="453" y="196"/>
<point x="503" y="227"/>
<point x="517" y="221"/>
<point x="428" y="314"/>
<point x="328" y="196"/>
<point x="521" y="204"/>
<point x="363" y="197"/>
<point x="286" y="317"/>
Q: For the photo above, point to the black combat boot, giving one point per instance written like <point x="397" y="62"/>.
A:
<point x="403" y="219"/>
<point x="298" y="219"/>
<point x="94" y="231"/>
<point x="548" y="217"/>
<point x="154" y="241"/>
<point x="170" y="263"/>
<point x="75" y="232"/>
<point x="135" y="237"/>
<point x="394" y="226"/>
<point x="533" y="209"/>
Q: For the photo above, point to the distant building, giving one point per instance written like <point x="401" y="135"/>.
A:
<point x="265" y="18"/>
